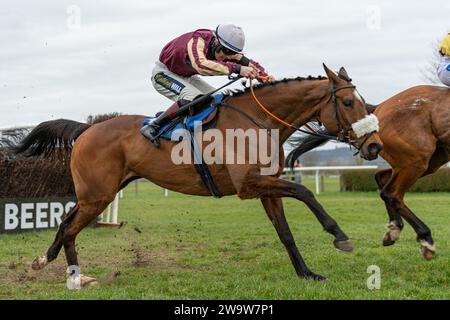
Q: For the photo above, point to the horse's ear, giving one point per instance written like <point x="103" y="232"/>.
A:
<point x="332" y="77"/>
<point x="344" y="75"/>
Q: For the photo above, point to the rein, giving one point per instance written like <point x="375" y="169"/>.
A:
<point x="343" y="135"/>
<point x="281" y="120"/>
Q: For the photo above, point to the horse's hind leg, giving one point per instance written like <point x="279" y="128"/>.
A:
<point x="393" y="194"/>
<point x="87" y="212"/>
<point x="78" y="218"/>
<point x="55" y="248"/>
<point x="395" y="224"/>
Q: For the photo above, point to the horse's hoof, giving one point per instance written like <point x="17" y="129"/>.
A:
<point x="86" y="281"/>
<point x="392" y="235"/>
<point x="39" y="263"/>
<point x="427" y="250"/>
<point x="387" y="239"/>
<point x="312" y="275"/>
<point x="76" y="282"/>
<point x="343" y="245"/>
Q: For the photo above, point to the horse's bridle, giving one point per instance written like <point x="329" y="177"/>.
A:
<point x="343" y="134"/>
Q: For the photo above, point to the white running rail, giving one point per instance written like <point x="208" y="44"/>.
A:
<point x="317" y="170"/>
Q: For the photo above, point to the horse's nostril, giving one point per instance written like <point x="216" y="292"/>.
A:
<point x="375" y="148"/>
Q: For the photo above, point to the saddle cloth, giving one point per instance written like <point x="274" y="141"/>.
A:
<point x="205" y="116"/>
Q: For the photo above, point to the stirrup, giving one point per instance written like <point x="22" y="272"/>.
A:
<point x="155" y="142"/>
<point x="151" y="133"/>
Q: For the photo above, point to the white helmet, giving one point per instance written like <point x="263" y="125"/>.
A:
<point x="231" y="37"/>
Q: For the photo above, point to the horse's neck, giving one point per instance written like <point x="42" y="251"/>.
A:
<point x="295" y="102"/>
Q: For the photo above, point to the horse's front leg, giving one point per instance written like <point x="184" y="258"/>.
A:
<point x="253" y="185"/>
<point x="395" y="224"/>
<point x="275" y="212"/>
<point x="258" y="186"/>
<point x="341" y="241"/>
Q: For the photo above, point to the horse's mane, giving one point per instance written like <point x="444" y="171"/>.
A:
<point x="93" y="119"/>
<point x="240" y="91"/>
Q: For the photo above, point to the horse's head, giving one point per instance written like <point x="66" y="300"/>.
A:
<point x="346" y="115"/>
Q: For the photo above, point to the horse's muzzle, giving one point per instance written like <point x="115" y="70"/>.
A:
<point x="373" y="149"/>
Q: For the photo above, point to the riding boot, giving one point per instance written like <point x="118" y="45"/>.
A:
<point x="150" y="131"/>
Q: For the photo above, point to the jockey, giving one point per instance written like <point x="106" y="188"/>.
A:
<point x="201" y="52"/>
<point x="443" y="69"/>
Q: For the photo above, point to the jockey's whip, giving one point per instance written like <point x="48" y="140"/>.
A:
<point x="207" y="96"/>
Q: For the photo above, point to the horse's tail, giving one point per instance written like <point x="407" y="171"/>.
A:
<point x="50" y="136"/>
<point x="303" y="144"/>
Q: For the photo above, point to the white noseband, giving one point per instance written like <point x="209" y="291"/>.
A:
<point x="366" y="125"/>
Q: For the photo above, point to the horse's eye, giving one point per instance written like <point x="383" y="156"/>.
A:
<point x="348" y="103"/>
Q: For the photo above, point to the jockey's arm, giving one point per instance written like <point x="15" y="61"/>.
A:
<point x="244" y="61"/>
<point x="197" y="56"/>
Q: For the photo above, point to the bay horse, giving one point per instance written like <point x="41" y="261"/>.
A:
<point x="415" y="131"/>
<point x="106" y="156"/>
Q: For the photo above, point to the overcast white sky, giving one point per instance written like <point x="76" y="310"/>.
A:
<point x="53" y="67"/>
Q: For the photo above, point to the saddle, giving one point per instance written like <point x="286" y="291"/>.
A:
<point x="207" y="117"/>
